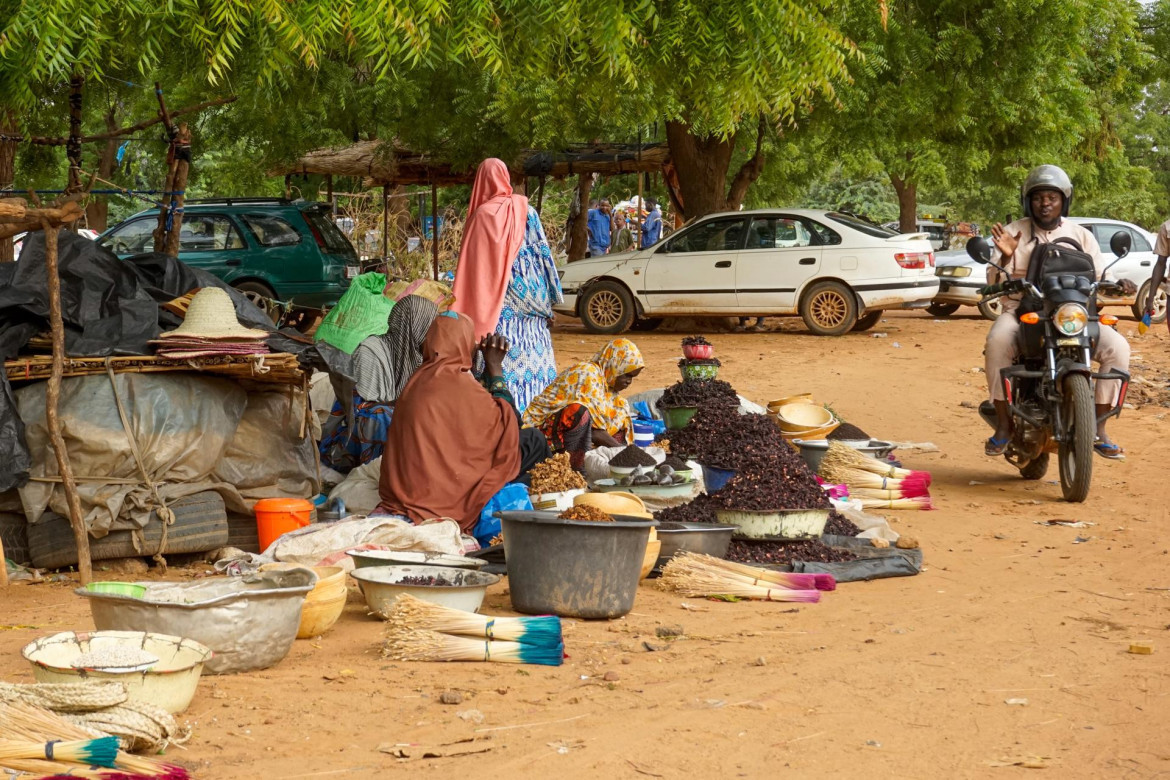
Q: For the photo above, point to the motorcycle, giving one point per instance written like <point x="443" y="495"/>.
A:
<point x="1049" y="386"/>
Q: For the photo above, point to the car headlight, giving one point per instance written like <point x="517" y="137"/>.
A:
<point x="1070" y="319"/>
<point x="560" y="273"/>
<point x="961" y="270"/>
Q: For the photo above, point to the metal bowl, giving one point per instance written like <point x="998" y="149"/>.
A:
<point x="363" y="559"/>
<point x="706" y="538"/>
<point x="382" y="585"/>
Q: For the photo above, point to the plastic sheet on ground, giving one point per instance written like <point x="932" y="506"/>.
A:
<point x="872" y="563"/>
<point x="872" y="526"/>
<point x="324" y="544"/>
<point x="359" y="489"/>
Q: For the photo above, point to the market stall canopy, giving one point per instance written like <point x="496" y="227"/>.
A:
<point x="390" y="163"/>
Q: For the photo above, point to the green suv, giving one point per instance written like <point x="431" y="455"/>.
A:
<point x="265" y="248"/>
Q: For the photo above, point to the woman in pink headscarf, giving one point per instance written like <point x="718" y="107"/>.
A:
<point x="507" y="281"/>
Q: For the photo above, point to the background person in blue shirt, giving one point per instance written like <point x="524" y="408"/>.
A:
<point x="598" y="225"/>
<point x="652" y="225"/>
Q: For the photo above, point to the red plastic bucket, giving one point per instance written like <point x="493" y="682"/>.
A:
<point x="277" y="516"/>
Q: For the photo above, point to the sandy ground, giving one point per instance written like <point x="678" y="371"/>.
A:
<point x="1009" y="650"/>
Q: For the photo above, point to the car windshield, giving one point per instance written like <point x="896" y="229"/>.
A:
<point x="869" y="228"/>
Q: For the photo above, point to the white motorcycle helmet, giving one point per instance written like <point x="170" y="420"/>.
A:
<point x="1046" y="177"/>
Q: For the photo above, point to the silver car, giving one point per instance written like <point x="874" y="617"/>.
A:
<point x="960" y="277"/>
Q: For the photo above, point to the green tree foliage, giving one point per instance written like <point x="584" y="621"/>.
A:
<point x="957" y="90"/>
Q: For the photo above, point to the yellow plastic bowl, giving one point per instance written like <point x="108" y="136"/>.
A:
<point x="802" y="417"/>
<point x="817" y="433"/>
<point x="324" y="603"/>
<point x="803" y="398"/>
<point x="616" y="503"/>
<point x="653" y="548"/>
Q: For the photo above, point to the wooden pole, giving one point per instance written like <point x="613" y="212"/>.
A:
<point x="160" y="231"/>
<point x="638" y="216"/>
<point x="435" y="228"/>
<point x="182" y="147"/>
<point x="53" y="398"/>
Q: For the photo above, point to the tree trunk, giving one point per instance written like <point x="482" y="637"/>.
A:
<point x="749" y="171"/>
<point x="701" y="165"/>
<point x="97" y="211"/>
<point x="907" y="204"/>
<point x="9" y="129"/>
<point x="73" y="146"/>
<point x="578" y="237"/>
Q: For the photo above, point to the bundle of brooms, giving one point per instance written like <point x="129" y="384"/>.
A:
<point x="418" y="630"/>
<point x="42" y="743"/>
<point x="700" y="576"/>
<point x="876" y="484"/>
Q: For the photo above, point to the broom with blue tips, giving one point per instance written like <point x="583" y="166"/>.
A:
<point x="420" y="644"/>
<point x="410" y="612"/>
<point x="102" y="751"/>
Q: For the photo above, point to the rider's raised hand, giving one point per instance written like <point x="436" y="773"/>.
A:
<point x="1005" y="242"/>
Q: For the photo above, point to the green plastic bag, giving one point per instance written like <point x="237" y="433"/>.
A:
<point x="362" y="312"/>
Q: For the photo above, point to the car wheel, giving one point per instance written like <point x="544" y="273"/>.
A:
<point x="256" y="292"/>
<point x="991" y="309"/>
<point x="866" y="322"/>
<point x="942" y="309"/>
<point x="607" y="308"/>
<point x="1159" y="304"/>
<point x="646" y="325"/>
<point x="829" y="309"/>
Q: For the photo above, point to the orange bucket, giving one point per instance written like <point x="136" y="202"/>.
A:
<point x="277" y="516"/>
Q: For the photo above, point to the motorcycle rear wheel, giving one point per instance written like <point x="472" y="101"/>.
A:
<point x="1035" y="468"/>
<point x="1080" y="430"/>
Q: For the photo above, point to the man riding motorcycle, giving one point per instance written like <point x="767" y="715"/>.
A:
<point x="1045" y="199"/>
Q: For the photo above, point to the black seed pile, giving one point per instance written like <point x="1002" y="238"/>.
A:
<point x="722" y="437"/>
<point x="632" y="456"/>
<point x="840" y="525"/>
<point x="425" y="579"/>
<point x="701" y="393"/>
<point x="786" y="552"/>
<point x="695" y="341"/>
<point x="701" y="510"/>
<point x="774" y="486"/>
<point x="676" y="463"/>
<point x="848" y="431"/>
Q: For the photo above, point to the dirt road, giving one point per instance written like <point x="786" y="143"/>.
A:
<point x="1008" y="651"/>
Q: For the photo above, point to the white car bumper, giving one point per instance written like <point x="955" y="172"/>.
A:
<point x="901" y="294"/>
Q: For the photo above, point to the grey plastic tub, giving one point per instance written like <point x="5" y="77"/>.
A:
<point x="706" y="538"/>
<point x="247" y="622"/>
<point x="813" y="450"/>
<point x="571" y="568"/>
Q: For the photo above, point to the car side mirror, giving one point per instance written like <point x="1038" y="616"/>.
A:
<point x="979" y="250"/>
<point x="1120" y="243"/>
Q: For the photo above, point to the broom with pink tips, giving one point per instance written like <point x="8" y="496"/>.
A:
<point x="700" y="576"/>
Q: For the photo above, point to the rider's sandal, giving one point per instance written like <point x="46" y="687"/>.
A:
<point x="1108" y="449"/>
<point x="996" y="446"/>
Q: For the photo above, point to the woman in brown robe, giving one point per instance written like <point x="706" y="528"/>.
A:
<point x="452" y="444"/>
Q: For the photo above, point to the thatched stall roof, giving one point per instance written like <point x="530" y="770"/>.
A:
<point x="388" y="162"/>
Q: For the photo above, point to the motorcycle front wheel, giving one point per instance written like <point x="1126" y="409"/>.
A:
<point x="1080" y="430"/>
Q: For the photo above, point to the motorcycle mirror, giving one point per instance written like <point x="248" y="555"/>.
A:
<point x="1120" y="243"/>
<point x="979" y="250"/>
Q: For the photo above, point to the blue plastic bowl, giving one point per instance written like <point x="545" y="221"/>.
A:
<point x="716" y="478"/>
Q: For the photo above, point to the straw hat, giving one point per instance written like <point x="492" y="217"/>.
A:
<point x="212" y="315"/>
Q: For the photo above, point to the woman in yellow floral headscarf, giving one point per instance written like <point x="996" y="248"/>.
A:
<point x="582" y="408"/>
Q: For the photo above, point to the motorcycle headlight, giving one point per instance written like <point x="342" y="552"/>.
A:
<point x="1070" y="319"/>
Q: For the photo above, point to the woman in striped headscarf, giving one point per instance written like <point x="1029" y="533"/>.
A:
<point x="382" y="367"/>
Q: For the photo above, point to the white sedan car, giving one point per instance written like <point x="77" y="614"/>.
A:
<point x="961" y="277"/>
<point x="834" y="270"/>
